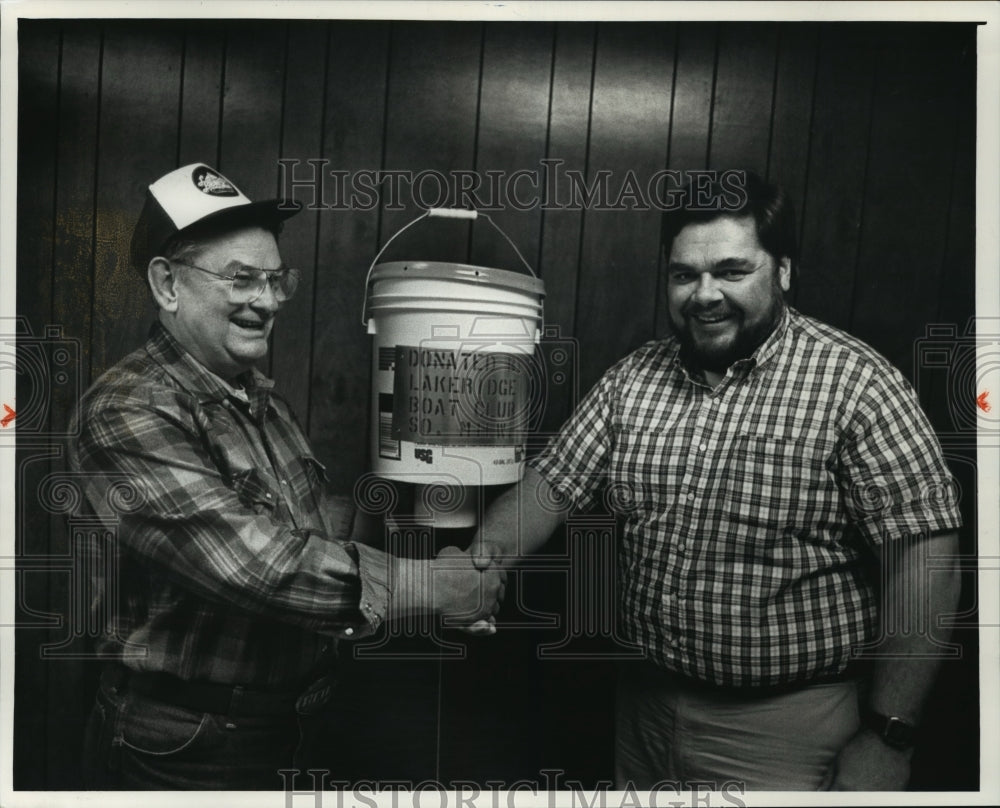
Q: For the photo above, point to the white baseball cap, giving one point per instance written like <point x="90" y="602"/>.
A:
<point x="197" y="194"/>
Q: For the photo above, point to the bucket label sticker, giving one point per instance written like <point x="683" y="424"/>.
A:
<point x="461" y="398"/>
<point x="388" y="447"/>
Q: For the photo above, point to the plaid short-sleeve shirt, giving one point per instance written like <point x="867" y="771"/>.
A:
<point x="229" y="561"/>
<point x="754" y="511"/>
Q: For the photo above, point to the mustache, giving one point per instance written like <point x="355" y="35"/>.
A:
<point x="694" y="310"/>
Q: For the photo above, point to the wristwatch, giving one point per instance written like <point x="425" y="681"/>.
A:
<point x="893" y="730"/>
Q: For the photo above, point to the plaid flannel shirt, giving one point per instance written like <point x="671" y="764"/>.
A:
<point x="230" y="559"/>
<point x="754" y="513"/>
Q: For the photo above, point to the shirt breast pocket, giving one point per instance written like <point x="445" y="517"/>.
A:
<point x="307" y="478"/>
<point x="254" y="491"/>
<point x="777" y="484"/>
<point x="644" y="470"/>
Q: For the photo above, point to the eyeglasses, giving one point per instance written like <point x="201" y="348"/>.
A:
<point x="248" y="283"/>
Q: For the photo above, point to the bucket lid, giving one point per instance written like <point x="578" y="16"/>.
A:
<point x="466" y="273"/>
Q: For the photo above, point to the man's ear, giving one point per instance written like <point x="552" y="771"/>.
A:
<point x="163" y="283"/>
<point x="785" y="273"/>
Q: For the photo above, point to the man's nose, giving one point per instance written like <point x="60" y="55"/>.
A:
<point x="708" y="290"/>
<point x="268" y="300"/>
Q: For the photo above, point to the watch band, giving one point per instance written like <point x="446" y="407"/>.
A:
<point x="893" y="730"/>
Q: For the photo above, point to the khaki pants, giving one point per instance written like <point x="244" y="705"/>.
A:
<point x="668" y="731"/>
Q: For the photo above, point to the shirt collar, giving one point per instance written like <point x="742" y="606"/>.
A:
<point x="770" y="347"/>
<point x="194" y="377"/>
<point x="765" y="352"/>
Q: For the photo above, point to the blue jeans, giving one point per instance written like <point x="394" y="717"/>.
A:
<point x="134" y="742"/>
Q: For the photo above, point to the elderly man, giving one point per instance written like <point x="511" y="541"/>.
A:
<point x="777" y="482"/>
<point x="236" y="572"/>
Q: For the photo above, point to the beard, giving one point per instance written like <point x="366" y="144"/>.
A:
<point x="702" y="353"/>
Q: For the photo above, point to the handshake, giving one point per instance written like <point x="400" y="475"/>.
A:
<point x="464" y="587"/>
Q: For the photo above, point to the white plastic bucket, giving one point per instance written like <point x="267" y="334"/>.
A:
<point x="453" y="375"/>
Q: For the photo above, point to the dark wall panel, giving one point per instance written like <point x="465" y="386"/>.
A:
<point x="137" y="107"/>
<point x="562" y="223"/>
<point x="76" y="171"/>
<point x="432" y="120"/>
<point x="788" y="160"/>
<point x="201" y="93"/>
<point x="744" y="96"/>
<point x="633" y="73"/>
<point x="693" y="90"/>
<point x="905" y="184"/>
<point x="838" y="160"/>
<point x="38" y="128"/>
<point x="301" y="140"/>
<point x="353" y="130"/>
<point x="513" y="122"/>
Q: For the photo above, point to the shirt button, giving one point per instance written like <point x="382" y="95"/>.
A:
<point x="681" y="547"/>
<point x="269" y="495"/>
<point x="703" y="447"/>
<point x="690" y="497"/>
<point x="348" y="631"/>
<point x="230" y="725"/>
<point x="284" y="482"/>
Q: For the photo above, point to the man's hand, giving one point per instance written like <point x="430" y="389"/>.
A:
<point x="463" y="594"/>
<point x="450" y="586"/>
<point x="486" y="554"/>
<point x="868" y="764"/>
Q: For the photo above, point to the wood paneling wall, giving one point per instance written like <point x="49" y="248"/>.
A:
<point x="870" y="127"/>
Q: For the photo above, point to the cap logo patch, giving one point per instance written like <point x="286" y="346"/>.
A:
<point x="209" y="182"/>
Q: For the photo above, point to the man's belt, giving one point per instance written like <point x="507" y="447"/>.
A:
<point x="855" y="671"/>
<point x="202" y="697"/>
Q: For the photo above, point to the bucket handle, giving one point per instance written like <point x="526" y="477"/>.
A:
<point x="439" y="213"/>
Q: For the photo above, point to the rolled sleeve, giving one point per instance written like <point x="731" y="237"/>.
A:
<point x="893" y="476"/>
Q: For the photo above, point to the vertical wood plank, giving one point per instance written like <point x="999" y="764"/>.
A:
<point x="76" y="171"/>
<point x="946" y="392"/>
<point x="201" y="92"/>
<point x="138" y="106"/>
<point x="950" y="755"/>
<point x="250" y="140"/>
<point x="72" y="306"/>
<point x="38" y="90"/>
<point x="562" y="226"/>
<point x="838" y="158"/>
<point x="788" y="160"/>
<point x="629" y="133"/>
<point x="744" y="96"/>
<point x="432" y="112"/>
<point x="905" y="214"/>
<point x="956" y="293"/>
<point x="513" y="122"/>
<point x="694" y="87"/>
<point x="39" y="44"/>
<point x="348" y="240"/>
<point x="302" y="139"/>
